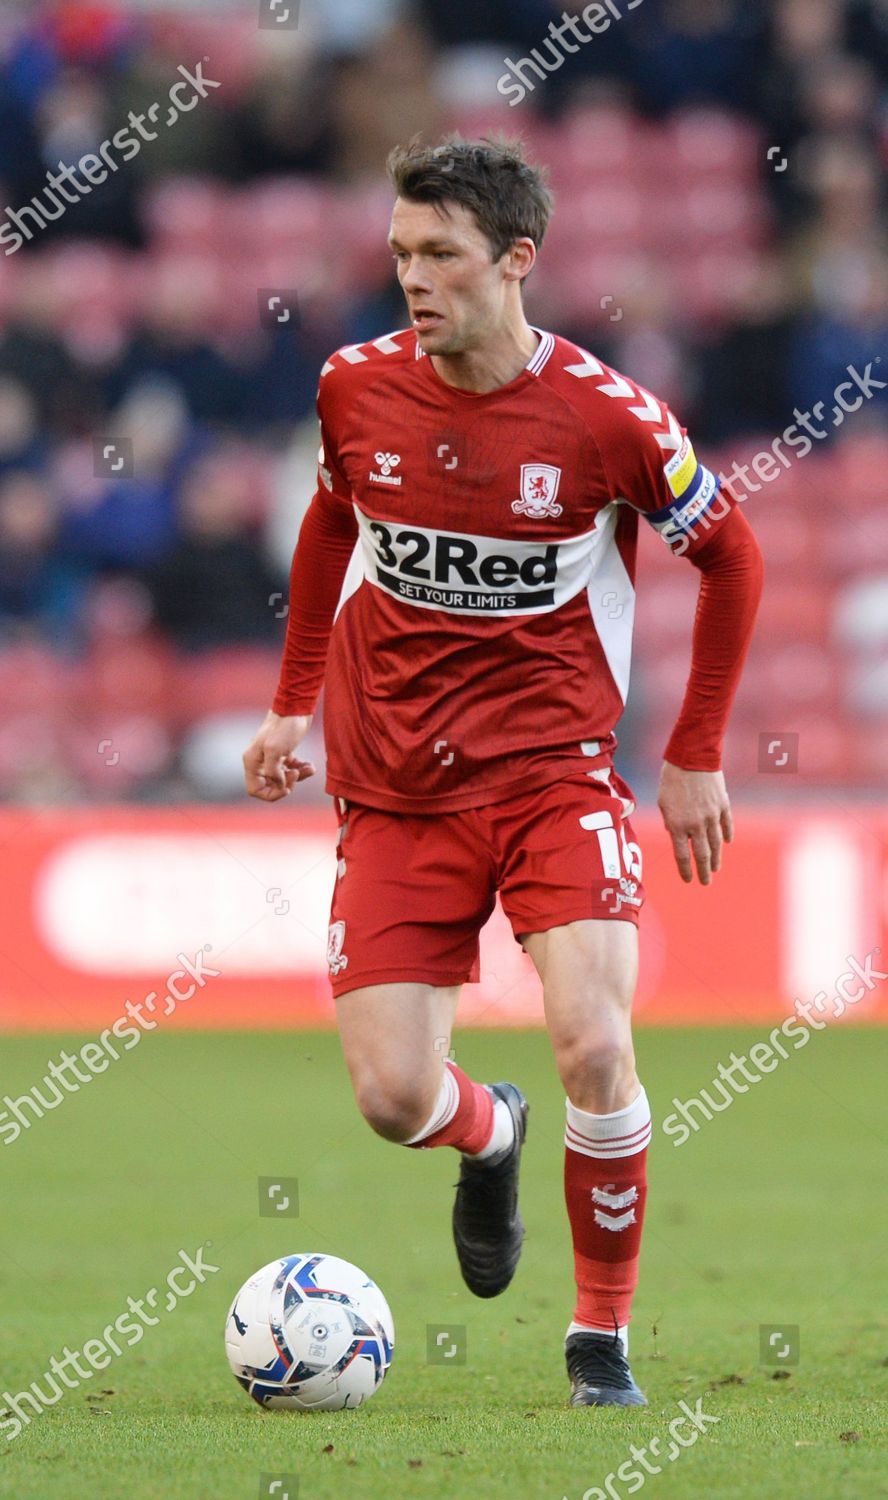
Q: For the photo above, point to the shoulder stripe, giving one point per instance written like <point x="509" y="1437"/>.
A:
<point x="356" y="354"/>
<point x="617" y="386"/>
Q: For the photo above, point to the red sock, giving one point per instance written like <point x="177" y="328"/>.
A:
<point x="462" y="1117"/>
<point x="605" y="1186"/>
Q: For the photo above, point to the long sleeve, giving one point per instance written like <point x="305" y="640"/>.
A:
<point x="731" y="569"/>
<point x="326" y="542"/>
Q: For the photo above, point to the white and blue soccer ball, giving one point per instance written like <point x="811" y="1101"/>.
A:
<point x="309" y="1333"/>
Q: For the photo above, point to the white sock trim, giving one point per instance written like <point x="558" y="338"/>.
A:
<point x="446" y="1105"/>
<point x="502" y="1134"/>
<point x="587" y="1328"/>
<point x="623" y="1133"/>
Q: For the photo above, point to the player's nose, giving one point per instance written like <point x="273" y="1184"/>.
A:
<point x="415" y="278"/>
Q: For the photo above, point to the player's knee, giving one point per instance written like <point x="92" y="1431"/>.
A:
<point x="597" y="1070"/>
<point x="396" y="1111"/>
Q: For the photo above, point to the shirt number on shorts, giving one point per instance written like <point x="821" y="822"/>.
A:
<point x="610" y="846"/>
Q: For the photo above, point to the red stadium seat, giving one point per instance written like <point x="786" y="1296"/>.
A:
<point x="32" y="679"/>
<point x="280" y="212"/>
<point x="792" y="610"/>
<point x="789" y="536"/>
<point x="611" y="210"/>
<point x="120" y="676"/>
<point x="706" y="282"/>
<point x="799" y="676"/>
<point x="111" y="752"/>
<point x="859" y="466"/>
<point x="870" y="764"/>
<point x="185" y="211"/>
<point x="828" y="752"/>
<point x="854" y="539"/>
<point x="356" y="242"/>
<point x="231" y="679"/>
<point x="597" y="139"/>
<point x="660" y="677"/>
<point x="665" y="605"/>
<point x="711" y="141"/>
<point x="88" y="287"/>
<point x="183" y="289"/>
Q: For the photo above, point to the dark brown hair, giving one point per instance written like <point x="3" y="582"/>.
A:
<point x="507" y="195"/>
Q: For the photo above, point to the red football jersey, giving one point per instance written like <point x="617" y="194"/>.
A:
<point x="482" y="635"/>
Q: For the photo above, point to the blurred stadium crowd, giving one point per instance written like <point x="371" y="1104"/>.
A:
<point x="720" y="234"/>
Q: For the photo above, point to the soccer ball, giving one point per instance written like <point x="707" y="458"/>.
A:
<point x="309" y="1333"/>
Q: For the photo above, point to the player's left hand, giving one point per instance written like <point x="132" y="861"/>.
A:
<point x="696" y="811"/>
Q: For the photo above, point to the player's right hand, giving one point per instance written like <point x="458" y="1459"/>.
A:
<point x="271" y="766"/>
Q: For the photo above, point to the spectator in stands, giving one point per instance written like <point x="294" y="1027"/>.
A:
<point x="686" y="52"/>
<point x="22" y="445"/>
<point x="41" y="591"/>
<point x="64" y="395"/>
<point x="742" y="384"/>
<point x="373" y="96"/>
<point x="120" y="525"/>
<point x="175" y="341"/>
<point x="215" y="585"/>
<point x="840" y="261"/>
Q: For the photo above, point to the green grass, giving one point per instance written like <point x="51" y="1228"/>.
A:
<point x="774" y="1213"/>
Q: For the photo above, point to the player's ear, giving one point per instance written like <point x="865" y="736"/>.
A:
<point x="519" y="259"/>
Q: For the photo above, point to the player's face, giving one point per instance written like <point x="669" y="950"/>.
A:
<point x="456" y="295"/>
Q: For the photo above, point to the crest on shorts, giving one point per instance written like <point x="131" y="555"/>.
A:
<point x="336" y="959"/>
<point x="539" y="486"/>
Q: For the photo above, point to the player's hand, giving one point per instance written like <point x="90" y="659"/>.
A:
<point x="271" y="766"/>
<point x="696" y="812"/>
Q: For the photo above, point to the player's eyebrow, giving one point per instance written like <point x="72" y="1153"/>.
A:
<point x="444" y="244"/>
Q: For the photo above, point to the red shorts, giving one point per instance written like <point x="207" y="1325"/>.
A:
<point x="414" y="890"/>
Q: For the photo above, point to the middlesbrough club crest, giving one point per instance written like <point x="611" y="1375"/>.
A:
<point x="336" y="959"/>
<point x="539" y="486"/>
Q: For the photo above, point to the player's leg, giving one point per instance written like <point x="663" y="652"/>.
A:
<point x="411" y="895"/>
<point x="570" y="884"/>
<point x="588" y="969"/>
<point x="395" y="1038"/>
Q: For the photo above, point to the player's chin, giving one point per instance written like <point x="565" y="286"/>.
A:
<point x="435" y="338"/>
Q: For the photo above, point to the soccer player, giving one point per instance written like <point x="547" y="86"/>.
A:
<point x="463" y="586"/>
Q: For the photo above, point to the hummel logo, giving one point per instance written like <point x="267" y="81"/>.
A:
<point x="387" y="462"/>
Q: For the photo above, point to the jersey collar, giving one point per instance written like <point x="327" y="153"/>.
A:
<point x="537" y="360"/>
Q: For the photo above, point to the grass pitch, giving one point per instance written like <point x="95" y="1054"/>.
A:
<point x="773" y="1214"/>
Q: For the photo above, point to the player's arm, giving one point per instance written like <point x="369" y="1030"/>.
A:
<point x="651" y="464"/>
<point x="322" y="554"/>
<point x="693" y="798"/>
